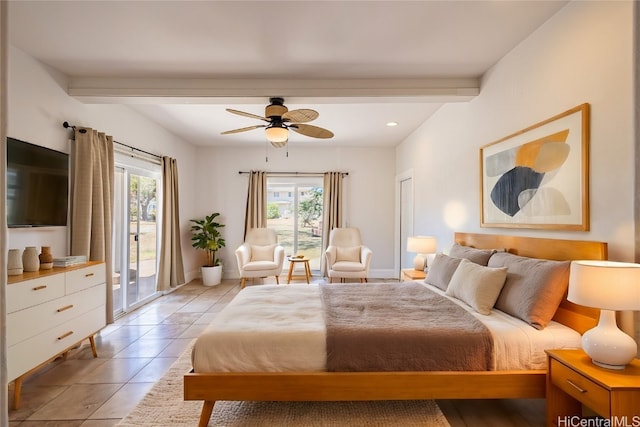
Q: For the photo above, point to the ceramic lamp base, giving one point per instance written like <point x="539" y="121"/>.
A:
<point x="607" y="345"/>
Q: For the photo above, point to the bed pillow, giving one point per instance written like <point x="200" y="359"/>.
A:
<point x="441" y="270"/>
<point x="476" y="285"/>
<point x="479" y="256"/>
<point x="262" y="253"/>
<point x="534" y="287"/>
<point x="348" y="253"/>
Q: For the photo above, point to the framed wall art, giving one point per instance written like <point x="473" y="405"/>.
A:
<point x="538" y="177"/>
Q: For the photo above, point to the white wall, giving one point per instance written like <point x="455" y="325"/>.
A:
<point x="584" y="53"/>
<point x="369" y="187"/>
<point x="38" y="105"/>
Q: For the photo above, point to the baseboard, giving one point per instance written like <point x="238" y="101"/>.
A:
<point x="376" y="274"/>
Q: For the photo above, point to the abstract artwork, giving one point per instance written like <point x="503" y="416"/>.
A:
<point x="538" y="177"/>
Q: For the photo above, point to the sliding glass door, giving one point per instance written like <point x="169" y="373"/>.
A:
<point x="135" y="235"/>
<point x="294" y="210"/>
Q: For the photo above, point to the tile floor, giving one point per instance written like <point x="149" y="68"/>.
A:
<point x="133" y="353"/>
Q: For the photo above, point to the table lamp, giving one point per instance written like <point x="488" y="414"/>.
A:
<point x="421" y="245"/>
<point x="609" y="286"/>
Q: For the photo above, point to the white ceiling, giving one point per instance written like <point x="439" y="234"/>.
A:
<point x="360" y="64"/>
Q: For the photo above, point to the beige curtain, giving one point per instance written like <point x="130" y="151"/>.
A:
<point x="332" y="210"/>
<point x="256" y="213"/>
<point x="171" y="269"/>
<point x="92" y="202"/>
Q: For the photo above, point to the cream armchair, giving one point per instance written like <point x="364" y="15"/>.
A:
<point x="260" y="255"/>
<point x="346" y="256"/>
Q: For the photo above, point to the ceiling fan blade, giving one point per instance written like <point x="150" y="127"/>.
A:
<point x="300" y="116"/>
<point x="242" y="129"/>
<point x="242" y="113"/>
<point x="312" y="131"/>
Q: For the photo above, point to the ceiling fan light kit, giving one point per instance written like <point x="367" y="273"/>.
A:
<point x="277" y="136"/>
<point x="279" y="120"/>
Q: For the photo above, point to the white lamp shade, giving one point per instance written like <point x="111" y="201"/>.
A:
<point x="278" y="136"/>
<point x="421" y="244"/>
<point x="606" y="285"/>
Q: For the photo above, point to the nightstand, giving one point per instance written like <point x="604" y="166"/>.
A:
<point x="412" y="274"/>
<point x="572" y="380"/>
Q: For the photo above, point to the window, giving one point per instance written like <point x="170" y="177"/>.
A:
<point x="297" y="219"/>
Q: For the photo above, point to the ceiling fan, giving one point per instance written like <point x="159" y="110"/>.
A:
<point x="279" y="120"/>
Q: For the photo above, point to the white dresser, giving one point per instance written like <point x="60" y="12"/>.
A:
<point x="49" y="312"/>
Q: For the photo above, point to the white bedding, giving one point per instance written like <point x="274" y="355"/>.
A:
<point x="276" y="328"/>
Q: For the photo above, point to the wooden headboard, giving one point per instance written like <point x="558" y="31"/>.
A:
<point x="575" y="316"/>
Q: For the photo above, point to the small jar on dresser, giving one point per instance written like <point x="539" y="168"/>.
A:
<point x="30" y="260"/>
<point x="46" y="258"/>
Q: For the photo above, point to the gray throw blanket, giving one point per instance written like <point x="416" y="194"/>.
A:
<point x="401" y="327"/>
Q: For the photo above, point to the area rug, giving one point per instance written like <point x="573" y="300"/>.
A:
<point x="163" y="406"/>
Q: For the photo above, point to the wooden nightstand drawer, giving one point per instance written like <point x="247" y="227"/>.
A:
<point x="580" y="388"/>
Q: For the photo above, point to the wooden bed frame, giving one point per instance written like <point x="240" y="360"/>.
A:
<point x="341" y="386"/>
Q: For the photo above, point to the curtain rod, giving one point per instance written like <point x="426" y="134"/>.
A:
<point x="66" y="125"/>
<point x="291" y="173"/>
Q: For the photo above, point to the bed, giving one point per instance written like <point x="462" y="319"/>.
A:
<point x="404" y="385"/>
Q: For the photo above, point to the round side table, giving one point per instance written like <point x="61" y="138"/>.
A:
<point x="292" y="263"/>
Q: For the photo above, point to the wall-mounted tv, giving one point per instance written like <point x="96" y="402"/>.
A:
<point x="37" y="185"/>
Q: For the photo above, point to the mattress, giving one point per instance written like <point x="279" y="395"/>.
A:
<point x="276" y="328"/>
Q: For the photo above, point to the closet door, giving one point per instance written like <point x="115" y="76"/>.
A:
<point x="405" y="188"/>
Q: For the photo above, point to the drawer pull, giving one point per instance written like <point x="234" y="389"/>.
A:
<point x="39" y="288"/>
<point x="63" y="336"/>
<point x="65" y="308"/>
<point x="580" y="389"/>
<point x="89" y="275"/>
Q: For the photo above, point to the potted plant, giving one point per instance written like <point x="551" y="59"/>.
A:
<point x="206" y="236"/>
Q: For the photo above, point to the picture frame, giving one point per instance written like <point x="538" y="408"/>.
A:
<point x="539" y="177"/>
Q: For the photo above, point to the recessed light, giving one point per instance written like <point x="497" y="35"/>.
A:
<point x="392" y="124"/>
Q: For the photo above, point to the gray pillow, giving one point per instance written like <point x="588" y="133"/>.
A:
<point x="479" y="256"/>
<point x="476" y="285"/>
<point x="441" y="270"/>
<point x="534" y="287"/>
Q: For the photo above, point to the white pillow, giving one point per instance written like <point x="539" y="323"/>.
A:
<point x="262" y="253"/>
<point x="349" y="253"/>
<point x="476" y="285"/>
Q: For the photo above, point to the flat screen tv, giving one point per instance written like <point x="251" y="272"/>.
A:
<point x="37" y="185"/>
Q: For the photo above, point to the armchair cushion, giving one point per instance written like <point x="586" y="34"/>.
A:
<point x="260" y="265"/>
<point x="350" y="266"/>
<point x="262" y="252"/>
<point x="349" y="253"/>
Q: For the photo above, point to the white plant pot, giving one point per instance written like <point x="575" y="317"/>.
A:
<point x="211" y="276"/>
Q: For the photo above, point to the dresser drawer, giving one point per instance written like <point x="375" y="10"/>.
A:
<point x="27" y="323"/>
<point x="30" y="353"/>
<point x="580" y="388"/>
<point x="26" y="294"/>
<point x="84" y="278"/>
